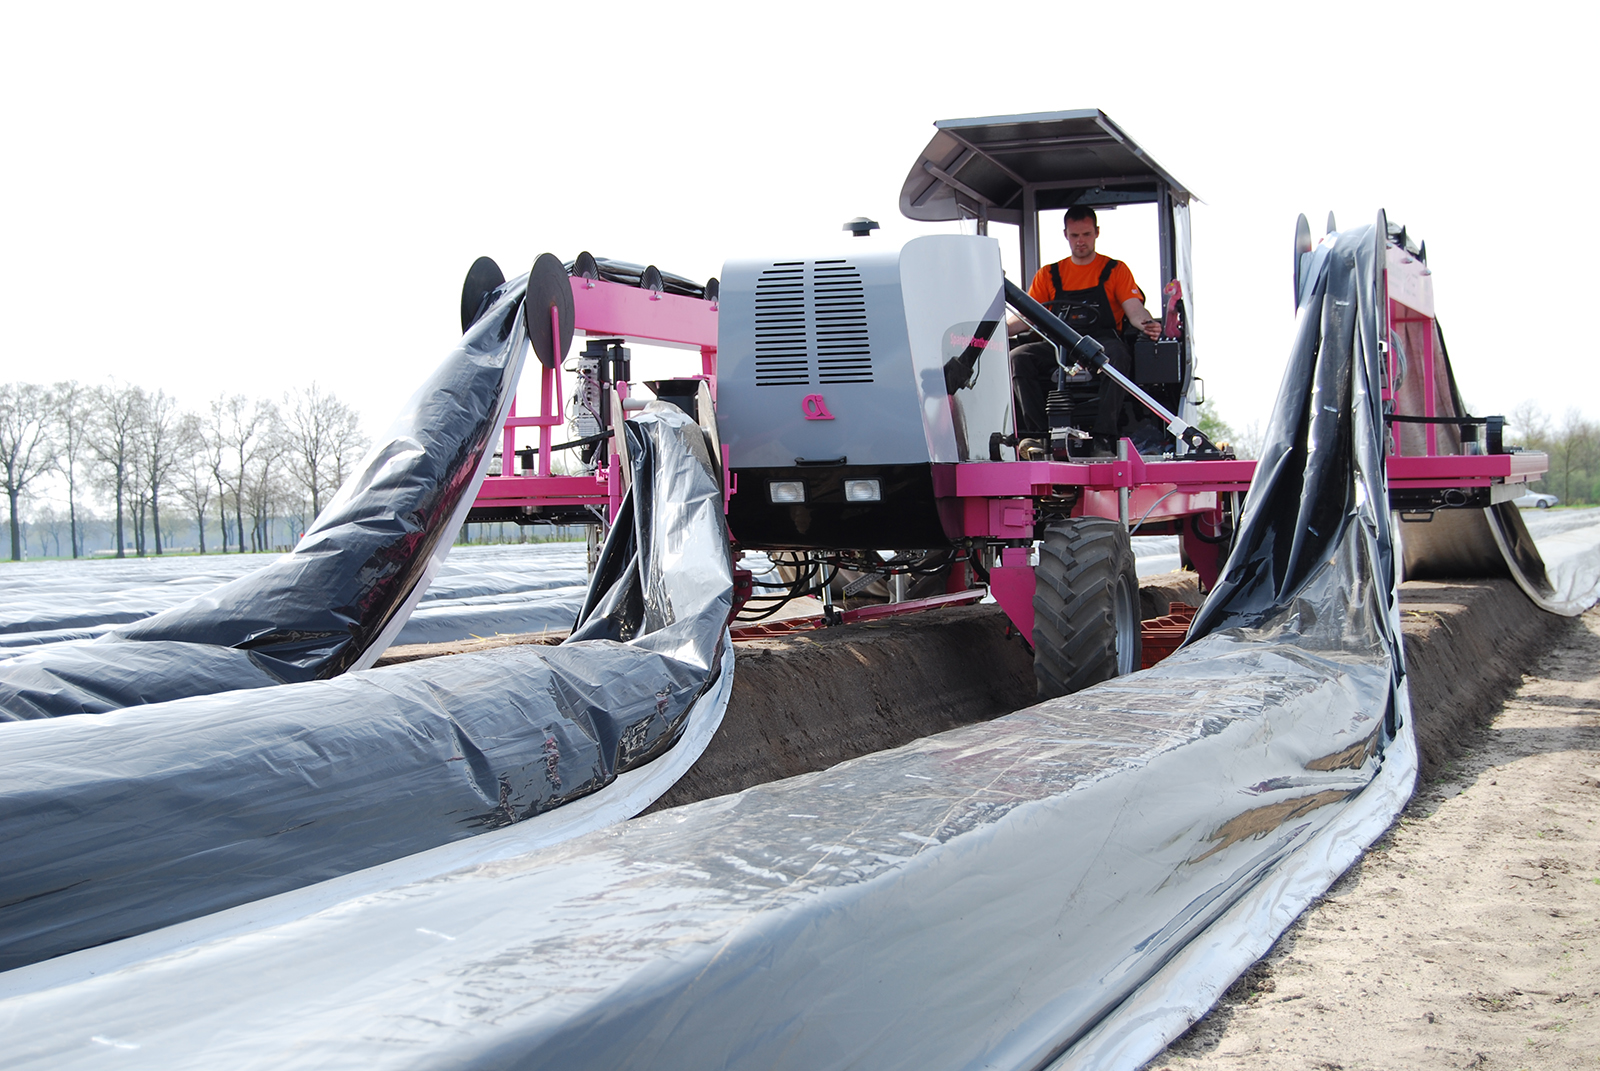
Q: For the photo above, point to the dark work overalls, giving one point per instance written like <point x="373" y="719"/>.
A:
<point x="1098" y="403"/>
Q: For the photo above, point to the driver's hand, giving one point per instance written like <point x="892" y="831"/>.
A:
<point x="1151" y="327"/>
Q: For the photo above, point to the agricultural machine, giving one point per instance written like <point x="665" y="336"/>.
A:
<point x="862" y="404"/>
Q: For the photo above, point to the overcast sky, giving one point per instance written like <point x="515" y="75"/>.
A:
<point x="222" y="198"/>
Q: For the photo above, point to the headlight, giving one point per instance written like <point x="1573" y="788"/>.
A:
<point x="862" y="491"/>
<point x="785" y="491"/>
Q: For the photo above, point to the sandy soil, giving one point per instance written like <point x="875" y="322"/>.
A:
<point x="1469" y="937"/>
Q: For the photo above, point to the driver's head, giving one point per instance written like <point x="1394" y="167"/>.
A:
<point x="1082" y="229"/>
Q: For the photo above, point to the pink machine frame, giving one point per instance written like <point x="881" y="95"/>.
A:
<point x="1410" y="290"/>
<point x="998" y="498"/>
<point x="607" y="310"/>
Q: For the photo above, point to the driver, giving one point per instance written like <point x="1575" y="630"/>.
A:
<point x="1097" y="297"/>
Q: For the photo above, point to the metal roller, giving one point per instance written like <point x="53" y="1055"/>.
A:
<point x="549" y="287"/>
<point x="483" y="279"/>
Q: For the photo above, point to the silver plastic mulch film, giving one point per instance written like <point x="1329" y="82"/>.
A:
<point x="478" y="590"/>
<point x="115" y="824"/>
<point x="1071" y="883"/>
<point x="983" y="895"/>
<point x="1560" y="570"/>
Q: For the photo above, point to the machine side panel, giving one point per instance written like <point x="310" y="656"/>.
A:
<point x="953" y="292"/>
<point x="814" y="363"/>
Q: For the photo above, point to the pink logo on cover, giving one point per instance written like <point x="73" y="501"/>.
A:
<point x="815" y="408"/>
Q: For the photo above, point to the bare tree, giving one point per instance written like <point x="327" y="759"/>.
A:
<point x="114" y="442"/>
<point x="160" y="443"/>
<point x="138" y="496"/>
<point x="25" y="448"/>
<point x="91" y="526"/>
<point x="195" y="472"/>
<point x="241" y="427"/>
<point x="47" y="526"/>
<point x="1580" y="438"/>
<point x="262" y="488"/>
<point x="321" y="433"/>
<point x="71" y="420"/>
<point x="1565" y="450"/>
<point x="216" y="454"/>
<point x="1528" y="426"/>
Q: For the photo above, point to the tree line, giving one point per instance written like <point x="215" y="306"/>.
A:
<point x="1573" y="445"/>
<point x="243" y="463"/>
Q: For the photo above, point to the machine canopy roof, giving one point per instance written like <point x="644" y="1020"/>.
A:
<point x="982" y="166"/>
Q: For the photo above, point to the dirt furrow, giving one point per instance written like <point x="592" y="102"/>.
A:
<point x="1470" y="935"/>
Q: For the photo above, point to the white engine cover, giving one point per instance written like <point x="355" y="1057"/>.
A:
<point x="847" y="356"/>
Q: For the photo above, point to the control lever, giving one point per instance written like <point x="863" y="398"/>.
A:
<point x="1081" y="349"/>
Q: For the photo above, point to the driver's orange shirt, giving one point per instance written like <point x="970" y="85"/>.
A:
<point x="1119" y="288"/>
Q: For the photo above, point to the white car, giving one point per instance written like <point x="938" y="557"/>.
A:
<point x="1536" y="500"/>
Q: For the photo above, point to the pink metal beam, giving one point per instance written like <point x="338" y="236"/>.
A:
<point x="508" y="442"/>
<point x="1026" y="478"/>
<point x="1023" y="479"/>
<point x="895" y="609"/>
<point x="543" y="490"/>
<point x="1149" y="502"/>
<point x="552" y="413"/>
<point x="604" y="308"/>
<point x="788" y="625"/>
<point x="1469" y="470"/>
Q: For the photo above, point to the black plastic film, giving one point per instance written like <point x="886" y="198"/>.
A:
<point x="115" y="824"/>
<point x="343" y="593"/>
<point x="1314" y="543"/>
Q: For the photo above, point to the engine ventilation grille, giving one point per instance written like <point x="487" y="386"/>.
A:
<point x="839" y="308"/>
<point x="811" y="319"/>
<point x="782" y="357"/>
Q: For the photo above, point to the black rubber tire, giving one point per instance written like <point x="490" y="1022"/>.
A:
<point x="1085" y="606"/>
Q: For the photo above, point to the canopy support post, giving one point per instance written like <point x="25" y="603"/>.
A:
<point x="1030" y="234"/>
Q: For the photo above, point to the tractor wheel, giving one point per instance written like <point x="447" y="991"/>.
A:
<point x="1085" y="606"/>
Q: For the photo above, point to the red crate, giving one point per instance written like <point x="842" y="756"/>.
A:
<point x="1162" y="635"/>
